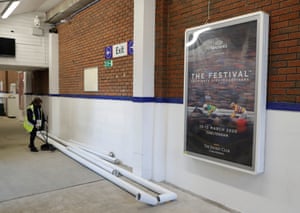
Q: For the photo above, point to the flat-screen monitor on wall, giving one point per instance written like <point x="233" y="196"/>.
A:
<point x="7" y="47"/>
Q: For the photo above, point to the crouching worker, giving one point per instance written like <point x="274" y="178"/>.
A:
<point x="34" y="121"/>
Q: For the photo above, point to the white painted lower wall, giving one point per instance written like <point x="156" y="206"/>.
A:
<point x="11" y="106"/>
<point x="124" y="126"/>
<point x="276" y="190"/>
<point x="106" y="126"/>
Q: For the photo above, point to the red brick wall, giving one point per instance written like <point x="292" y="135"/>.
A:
<point x="12" y="77"/>
<point x="40" y="82"/>
<point x="3" y="78"/>
<point x="8" y="77"/>
<point x="82" y="42"/>
<point x="174" y="16"/>
<point x="161" y="74"/>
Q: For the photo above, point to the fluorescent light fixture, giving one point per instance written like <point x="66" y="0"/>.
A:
<point x="196" y="35"/>
<point x="9" y="9"/>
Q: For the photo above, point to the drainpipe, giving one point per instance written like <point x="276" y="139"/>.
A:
<point x="139" y="194"/>
<point x="112" y="172"/>
<point x="101" y="155"/>
<point x="164" y="194"/>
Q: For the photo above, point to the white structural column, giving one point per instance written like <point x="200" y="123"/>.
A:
<point x="27" y="88"/>
<point x="144" y="41"/>
<point x="143" y="85"/>
<point x="53" y="78"/>
<point x="53" y="63"/>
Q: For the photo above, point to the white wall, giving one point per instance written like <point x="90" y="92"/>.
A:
<point x="276" y="190"/>
<point x="101" y="124"/>
<point x="31" y="50"/>
<point x="110" y="126"/>
<point x="53" y="63"/>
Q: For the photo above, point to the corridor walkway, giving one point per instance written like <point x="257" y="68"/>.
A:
<point x="51" y="182"/>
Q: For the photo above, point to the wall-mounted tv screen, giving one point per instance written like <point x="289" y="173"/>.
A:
<point x="7" y="47"/>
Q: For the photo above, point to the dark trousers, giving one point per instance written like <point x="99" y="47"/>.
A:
<point x="32" y="137"/>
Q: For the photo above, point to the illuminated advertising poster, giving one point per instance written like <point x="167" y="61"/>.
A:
<point x="225" y="78"/>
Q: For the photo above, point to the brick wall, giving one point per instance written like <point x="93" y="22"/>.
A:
<point x="8" y="77"/>
<point x="174" y="16"/>
<point x="3" y="78"/>
<point x="82" y="41"/>
<point x="40" y="82"/>
<point x="12" y="77"/>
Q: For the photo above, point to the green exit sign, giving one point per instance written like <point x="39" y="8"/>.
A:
<point x="108" y="63"/>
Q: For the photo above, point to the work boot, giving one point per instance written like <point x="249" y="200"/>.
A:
<point x="33" y="149"/>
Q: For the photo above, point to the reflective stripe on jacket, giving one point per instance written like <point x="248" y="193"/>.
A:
<point x="27" y="125"/>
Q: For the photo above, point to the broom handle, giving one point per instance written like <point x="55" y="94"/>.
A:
<point x="46" y="128"/>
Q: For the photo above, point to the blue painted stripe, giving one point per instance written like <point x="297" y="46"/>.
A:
<point x="283" y="106"/>
<point x="143" y="99"/>
<point x="123" y="98"/>
<point x="270" y="105"/>
<point x="119" y="98"/>
<point x="169" y="100"/>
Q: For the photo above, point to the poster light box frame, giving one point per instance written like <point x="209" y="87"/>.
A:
<point x="225" y="81"/>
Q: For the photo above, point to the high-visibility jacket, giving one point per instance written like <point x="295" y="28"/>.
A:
<point x="27" y="124"/>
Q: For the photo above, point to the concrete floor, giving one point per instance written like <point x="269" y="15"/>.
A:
<point x="52" y="182"/>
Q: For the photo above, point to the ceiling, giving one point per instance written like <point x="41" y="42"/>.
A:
<point x="27" y="6"/>
<point x="56" y="10"/>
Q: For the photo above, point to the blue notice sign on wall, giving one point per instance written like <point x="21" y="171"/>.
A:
<point x="108" y="52"/>
<point x="130" y="47"/>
